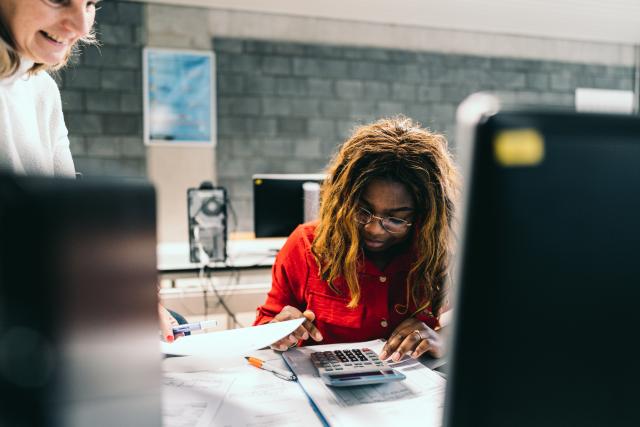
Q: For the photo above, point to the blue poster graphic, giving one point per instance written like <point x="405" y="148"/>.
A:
<point x="179" y="97"/>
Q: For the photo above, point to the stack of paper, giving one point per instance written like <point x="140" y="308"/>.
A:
<point x="221" y="389"/>
<point x="235" y="395"/>
<point x="234" y="342"/>
<point x="419" y="396"/>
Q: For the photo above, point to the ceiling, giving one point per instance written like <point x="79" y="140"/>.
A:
<point x="616" y="21"/>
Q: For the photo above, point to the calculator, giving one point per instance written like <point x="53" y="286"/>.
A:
<point x="350" y="367"/>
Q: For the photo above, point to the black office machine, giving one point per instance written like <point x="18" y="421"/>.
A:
<point x="207" y="216"/>
<point x="548" y="278"/>
<point x="78" y="303"/>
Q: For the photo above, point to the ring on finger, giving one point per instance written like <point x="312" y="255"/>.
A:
<point x="419" y="333"/>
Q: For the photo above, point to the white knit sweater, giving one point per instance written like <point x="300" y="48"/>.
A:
<point x="33" y="136"/>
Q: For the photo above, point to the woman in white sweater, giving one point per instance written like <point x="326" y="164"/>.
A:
<point x="37" y="36"/>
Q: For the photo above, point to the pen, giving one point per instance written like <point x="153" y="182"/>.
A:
<point x="280" y="373"/>
<point x="190" y="327"/>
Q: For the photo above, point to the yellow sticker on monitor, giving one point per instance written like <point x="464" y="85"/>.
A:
<point x="258" y="181"/>
<point x="521" y="147"/>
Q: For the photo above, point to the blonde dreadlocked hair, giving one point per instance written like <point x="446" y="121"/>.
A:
<point x="400" y="150"/>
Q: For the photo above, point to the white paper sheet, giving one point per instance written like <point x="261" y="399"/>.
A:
<point x="259" y="398"/>
<point x="245" y="395"/>
<point x="231" y="342"/>
<point x="192" y="399"/>
<point x="419" y="396"/>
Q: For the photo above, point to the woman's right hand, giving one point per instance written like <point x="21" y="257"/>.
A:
<point x="303" y="332"/>
<point x="167" y="323"/>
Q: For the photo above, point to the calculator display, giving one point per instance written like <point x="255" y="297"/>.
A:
<point x="361" y="374"/>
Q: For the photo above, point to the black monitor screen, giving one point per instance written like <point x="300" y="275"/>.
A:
<point x="78" y="303"/>
<point x="547" y="286"/>
<point x="278" y="203"/>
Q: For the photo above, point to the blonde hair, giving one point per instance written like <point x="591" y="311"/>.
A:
<point x="10" y="59"/>
<point x="400" y="150"/>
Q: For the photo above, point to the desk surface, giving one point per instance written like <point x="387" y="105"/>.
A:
<point x="241" y="394"/>
<point x="244" y="253"/>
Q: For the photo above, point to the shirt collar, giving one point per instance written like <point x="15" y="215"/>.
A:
<point x="401" y="262"/>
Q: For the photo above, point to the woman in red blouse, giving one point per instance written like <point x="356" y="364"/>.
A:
<point x="376" y="263"/>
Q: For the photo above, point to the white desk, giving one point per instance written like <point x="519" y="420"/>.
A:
<point x="243" y="281"/>
<point x="173" y="258"/>
<point x="234" y="394"/>
<point x="203" y="393"/>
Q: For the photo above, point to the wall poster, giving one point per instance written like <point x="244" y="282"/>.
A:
<point x="179" y="99"/>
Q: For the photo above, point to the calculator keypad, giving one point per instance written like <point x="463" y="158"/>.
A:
<point x="347" y="361"/>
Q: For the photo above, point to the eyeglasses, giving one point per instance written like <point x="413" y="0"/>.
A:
<point x="391" y="224"/>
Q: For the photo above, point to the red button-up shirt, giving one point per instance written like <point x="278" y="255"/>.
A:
<point x="296" y="282"/>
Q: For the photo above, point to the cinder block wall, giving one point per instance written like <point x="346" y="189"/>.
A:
<point x="284" y="107"/>
<point x="102" y="95"/>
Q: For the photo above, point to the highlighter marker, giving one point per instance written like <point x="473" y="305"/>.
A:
<point x="190" y="327"/>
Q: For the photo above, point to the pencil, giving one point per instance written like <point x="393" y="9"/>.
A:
<point x="281" y="373"/>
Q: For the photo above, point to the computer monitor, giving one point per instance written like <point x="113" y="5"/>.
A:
<point x="279" y="201"/>
<point x="548" y="279"/>
<point x="78" y="303"/>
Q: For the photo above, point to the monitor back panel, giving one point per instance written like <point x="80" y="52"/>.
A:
<point x="548" y="280"/>
<point x="78" y="303"/>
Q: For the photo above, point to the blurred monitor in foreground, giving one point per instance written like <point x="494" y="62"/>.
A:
<point x="279" y="202"/>
<point x="78" y="303"/>
<point x="548" y="278"/>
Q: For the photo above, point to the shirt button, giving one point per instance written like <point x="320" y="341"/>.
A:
<point x="384" y="323"/>
<point x="382" y="279"/>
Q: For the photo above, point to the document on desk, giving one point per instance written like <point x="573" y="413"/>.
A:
<point x="192" y="399"/>
<point x="236" y="395"/>
<point x="259" y="398"/>
<point x="231" y="342"/>
<point x="421" y="394"/>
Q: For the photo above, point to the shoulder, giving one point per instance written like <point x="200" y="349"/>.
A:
<point x="45" y="82"/>
<point x="305" y="232"/>
<point x="299" y="241"/>
<point x="47" y="92"/>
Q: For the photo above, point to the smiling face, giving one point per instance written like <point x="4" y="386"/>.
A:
<point x="44" y="31"/>
<point x="385" y="198"/>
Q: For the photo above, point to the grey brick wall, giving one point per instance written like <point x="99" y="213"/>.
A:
<point x="102" y="95"/>
<point x="284" y="107"/>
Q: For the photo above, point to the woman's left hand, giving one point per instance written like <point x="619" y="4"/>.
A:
<point x="414" y="337"/>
